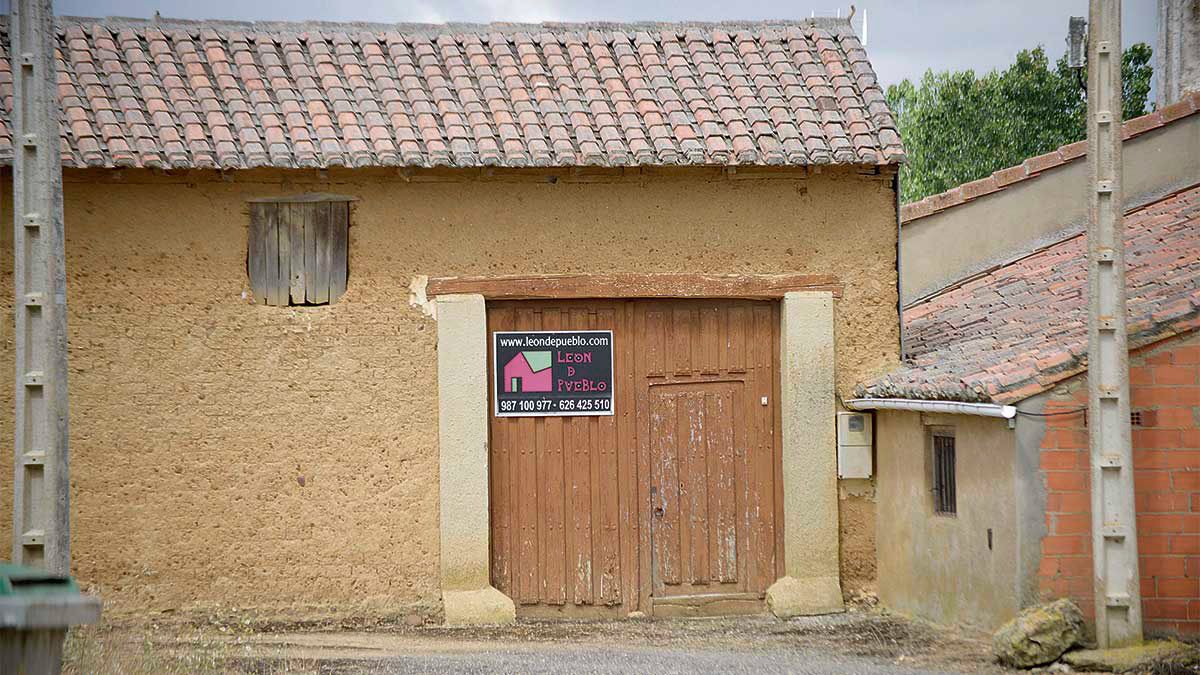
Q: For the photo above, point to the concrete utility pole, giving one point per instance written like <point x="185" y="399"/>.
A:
<point x="1114" y="524"/>
<point x="1177" y="54"/>
<point x="41" y="489"/>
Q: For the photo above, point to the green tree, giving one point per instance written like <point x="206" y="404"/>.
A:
<point x="958" y="127"/>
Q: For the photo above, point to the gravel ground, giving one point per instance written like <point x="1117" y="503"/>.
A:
<point x="619" y="659"/>
<point x="858" y="642"/>
<point x="862" y="641"/>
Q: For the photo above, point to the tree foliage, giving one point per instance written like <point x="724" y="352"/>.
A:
<point x="958" y="127"/>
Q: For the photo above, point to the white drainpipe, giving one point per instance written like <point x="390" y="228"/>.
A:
<point x="985" y="409"/>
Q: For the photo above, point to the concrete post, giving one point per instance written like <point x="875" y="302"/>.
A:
<point x="41" y="485"/>
<point x="812" y="581"/>
<point x="1116" y="584"/>
<point x="1177" y="54"/>
<point x="467" y="594"/>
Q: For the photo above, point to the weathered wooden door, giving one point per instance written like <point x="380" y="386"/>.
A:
<point x="670" y="505"/>
<point x="706" y="424"/>
<point x="563" y="488"/>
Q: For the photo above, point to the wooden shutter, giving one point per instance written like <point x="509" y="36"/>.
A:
<point x="297" y="251"/>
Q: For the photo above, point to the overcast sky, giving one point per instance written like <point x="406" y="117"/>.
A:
<point x="905" y="37"/>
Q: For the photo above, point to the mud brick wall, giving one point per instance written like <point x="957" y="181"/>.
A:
<point x="227" y="453"/>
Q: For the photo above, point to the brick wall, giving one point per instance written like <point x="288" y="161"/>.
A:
<point x="1165" y="387"/>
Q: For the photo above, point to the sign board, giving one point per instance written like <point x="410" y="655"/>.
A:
<point x="559" y="372"/>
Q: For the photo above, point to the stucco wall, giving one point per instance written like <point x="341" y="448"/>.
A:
<point x="227" y="452"/>
<point x="939" y="567"/>
<point x="944" y="247"/>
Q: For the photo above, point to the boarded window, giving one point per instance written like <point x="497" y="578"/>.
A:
<point x="297" y="251"/>
<point x="945" y="498"/>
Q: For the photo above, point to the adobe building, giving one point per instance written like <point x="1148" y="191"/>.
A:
<point x="982" y="443"/>
<point x="295" y="254"/>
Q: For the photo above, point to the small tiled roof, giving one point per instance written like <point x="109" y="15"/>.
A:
<point x="1034" y="166"/>
<point x="1015" y="331"/>
<point x="185" y="94"/>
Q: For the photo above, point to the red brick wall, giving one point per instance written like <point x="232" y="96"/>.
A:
<point x="1165" y="387"/>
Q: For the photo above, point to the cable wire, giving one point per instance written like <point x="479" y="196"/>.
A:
<point x="1053" y="414"/>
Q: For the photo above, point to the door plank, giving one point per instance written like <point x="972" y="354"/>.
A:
<point x="710" y="340"/>
<point x="296" y="214"/>
<point x="722" y="499"/>
<point x="339" y="248"/>
<point x="554" y="560"/>
<point x="320" y="214"/>
<point x="625" y="380"/>
<point x="275" y="291"/>
<point x="256" y="262"/>
<point x="643" y="468"/>
<point x="526" y="448"/>
<point x="580" y="571"/>
<point x="581" y="478"/>
<point x="736" y="345"/>
<point x="664" y="423"/>
<point x="652" y="336"/>
<point x="777" y="441"/>
<point x="681" y="340"/>
<point x="501" y="485"/>
<point x="763" y="504"/>
<point x="285" y="251"/>
<point x="744" y="476"/>
<point x="607" y="524"/>
<point x="696" y="483"/>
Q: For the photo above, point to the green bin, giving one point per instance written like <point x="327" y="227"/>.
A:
<point x="36" y="608"/>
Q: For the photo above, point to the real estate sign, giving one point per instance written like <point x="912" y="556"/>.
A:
<point x="561" y="372"/>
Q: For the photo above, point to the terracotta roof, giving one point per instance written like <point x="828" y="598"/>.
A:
<point x="1018" y="329"/>
<point x="1034" y="166"/>
<point x="181" y="94"/>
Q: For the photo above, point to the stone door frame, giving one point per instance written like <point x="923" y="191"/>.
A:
<point x="811" y="583"/>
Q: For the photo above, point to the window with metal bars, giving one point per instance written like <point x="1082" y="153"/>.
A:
<point x="945" y="498"/>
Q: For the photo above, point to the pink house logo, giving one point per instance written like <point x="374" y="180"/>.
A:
<point x="528" y="371"/>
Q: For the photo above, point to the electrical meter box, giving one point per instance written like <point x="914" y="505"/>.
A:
<point x="854" y="437"/>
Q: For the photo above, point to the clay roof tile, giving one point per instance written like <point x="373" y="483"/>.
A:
<point x="247" y="95"/>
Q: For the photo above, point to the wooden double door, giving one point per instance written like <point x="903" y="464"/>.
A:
<point x="673" y="504"/>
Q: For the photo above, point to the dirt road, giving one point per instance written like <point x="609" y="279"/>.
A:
<point x="858" y="642"/>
